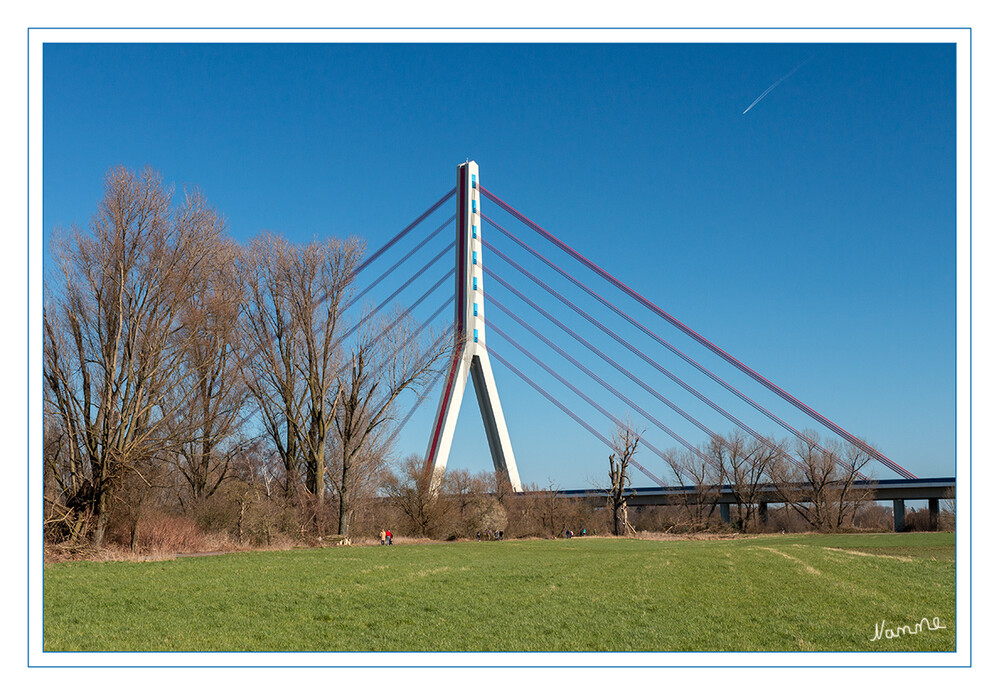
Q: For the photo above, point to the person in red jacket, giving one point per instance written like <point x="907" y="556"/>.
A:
<point x="388" y="537"/>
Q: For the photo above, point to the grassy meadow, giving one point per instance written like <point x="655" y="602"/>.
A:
<point x="770" y="593"/>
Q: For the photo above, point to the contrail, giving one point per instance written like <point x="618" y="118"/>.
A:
<point x="774" y="85"/>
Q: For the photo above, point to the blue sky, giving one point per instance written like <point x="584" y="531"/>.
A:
<point x="813" y="237"/>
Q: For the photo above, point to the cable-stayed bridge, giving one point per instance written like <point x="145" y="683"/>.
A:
<point x="614" y="352"/>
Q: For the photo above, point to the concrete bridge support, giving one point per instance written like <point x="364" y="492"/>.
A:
<point x="763" y="512"/>
<point x="933" y="505"/>
<point x="725" y="509"/>
<point x="899" y="515"/>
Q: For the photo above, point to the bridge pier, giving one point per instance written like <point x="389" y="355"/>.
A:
<point x="763" y="512"/>
<point x="933" y="506"/>
<point x="899" y="509"/>
<point x="725" y="509"/>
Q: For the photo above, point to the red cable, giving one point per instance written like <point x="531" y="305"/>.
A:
<point x="700" y="339"/>
<point x="677" y="380"/>
<point x="575" y="417"/>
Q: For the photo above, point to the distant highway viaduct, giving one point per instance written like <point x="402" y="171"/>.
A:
<point x="896" y="490"/>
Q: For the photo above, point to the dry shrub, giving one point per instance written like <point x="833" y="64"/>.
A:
<point x="922" y="521"/>
<point x="163" y="532"/>
<point x="214" y="514"/>
<point x="873" y="517"/>
<point x="168" y="534"/>
<point x="268" y="523"/>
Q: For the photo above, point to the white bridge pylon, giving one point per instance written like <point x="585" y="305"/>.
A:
<point x="470" y="356"/>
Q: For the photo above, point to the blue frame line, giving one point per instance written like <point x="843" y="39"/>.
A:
<point x="28" y="532"/>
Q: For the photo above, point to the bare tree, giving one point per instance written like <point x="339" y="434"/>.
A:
<point x="696" y="472"/>
<point x="468" y="494"/>
<point x="743" y="465"/>
<point x="547" y="510"/>
<point x="846" y="498"/>
<point x="412" y="492"/>
<point x="822" y="489"/>
<point x="272" y="344"/>
<point x="385" y="361"/>
<point x="213" y="393"/>
<point x="625" y="442"/>
<point x="499" y="486"/>
<point x="113" y="354"/>
<point x="295" y="297"/>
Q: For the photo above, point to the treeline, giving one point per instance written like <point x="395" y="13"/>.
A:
<point x="182" y="369"/>
<point x="752" y="485"/>
<point x="199" y="392"/>
<point x="813" y="480"/>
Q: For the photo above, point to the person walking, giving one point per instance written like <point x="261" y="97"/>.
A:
<point x="388" y="537"/>
<point x="382" y="536"/>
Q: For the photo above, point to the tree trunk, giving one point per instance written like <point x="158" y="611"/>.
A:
<point x="343" y="527"/>
<point x="320" y="480"/>
<point x="101" y="518"/>
<point x="316" y="475"/>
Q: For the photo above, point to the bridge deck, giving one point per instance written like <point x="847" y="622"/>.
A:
<point x="896" y="489"/>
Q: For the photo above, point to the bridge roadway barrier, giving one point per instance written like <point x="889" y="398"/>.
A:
<point x="896" y="490"/>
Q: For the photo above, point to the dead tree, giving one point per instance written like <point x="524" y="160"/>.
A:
<point x="625" y="443"/>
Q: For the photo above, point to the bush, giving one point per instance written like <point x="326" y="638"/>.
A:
<point x="215" y="514"/>
<point x="158" y="532"/>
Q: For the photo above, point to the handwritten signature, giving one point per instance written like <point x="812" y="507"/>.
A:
<point x="892" y="632"/>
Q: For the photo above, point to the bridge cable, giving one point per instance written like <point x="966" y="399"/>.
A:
<point x="419" y="402"/>
<point x="436" y="343"/>
<point x="575" y="417"/>
<point x="381" y="336"/>
<point x="404" y="285"/>
<point x="690" y="389"/>
<point x="703" y="370"/>
<point x="423" y="358"/>
<point x="693" y="449"/>
<point x="385" y="247"/>
<point x="665" y="401"/>
<point x="448" y="302"/>
<point x="700" y="339"/>
<point x="403" y="314"/>
<point x="402" y="260"/>
<point x="412" y="225"/>
<point x="603" y="411"/>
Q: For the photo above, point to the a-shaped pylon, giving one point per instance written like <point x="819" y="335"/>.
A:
<point x="470" y="356"/>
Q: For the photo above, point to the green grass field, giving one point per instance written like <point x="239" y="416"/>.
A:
<point x="785" y="593"/>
